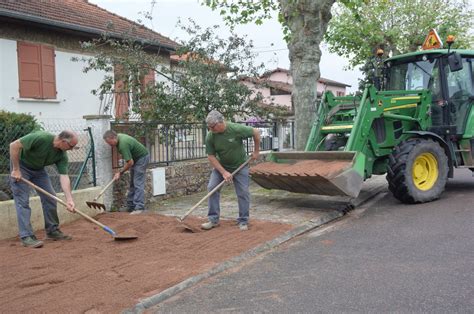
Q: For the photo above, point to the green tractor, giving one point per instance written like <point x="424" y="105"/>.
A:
<point x="416" y="130"/>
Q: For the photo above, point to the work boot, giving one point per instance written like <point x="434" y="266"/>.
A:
<point x="57" y="235"/>
<point x="209" y="225"/>
<point x="243" y="226"/>
<point x="31" y="241"/>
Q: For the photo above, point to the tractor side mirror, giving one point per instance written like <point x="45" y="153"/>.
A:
<point x="455" y="62"/>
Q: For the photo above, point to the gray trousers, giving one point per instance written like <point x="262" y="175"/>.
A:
<point x="241" y="185"/>
<point x="21" y="195"/>
<point x="136" y="191"/>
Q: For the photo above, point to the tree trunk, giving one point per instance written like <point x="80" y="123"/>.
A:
<point x="307" y="21"/>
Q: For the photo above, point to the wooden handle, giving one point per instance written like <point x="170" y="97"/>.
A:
<point x="65" y="204"/>
<point x="104" y="189"/>
<point x="213" y="191"/>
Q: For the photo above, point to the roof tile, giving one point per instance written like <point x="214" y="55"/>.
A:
<point x="83" y="13"/>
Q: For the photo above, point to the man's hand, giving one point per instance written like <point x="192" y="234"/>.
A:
<point x="117" y="176"/>
<point x="71" y="206"/>
<point x="227" y="176"/>
<point x="16" y="175"/>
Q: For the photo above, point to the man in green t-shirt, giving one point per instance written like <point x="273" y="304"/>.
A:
<point x="28" y="157"/>
<point x="226" y="152"/>
<point x="137" y="159"/>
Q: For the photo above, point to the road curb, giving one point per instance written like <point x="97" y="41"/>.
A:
<point x="308" y="226"/>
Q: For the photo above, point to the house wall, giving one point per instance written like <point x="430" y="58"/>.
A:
<point x="281" y="77"/>
<point x="321" y="87"/>
<point x="327" y="87"/>
<point x="285" y="100"/>
<point x="282" y="100"/>
<point x="74" y="98"/>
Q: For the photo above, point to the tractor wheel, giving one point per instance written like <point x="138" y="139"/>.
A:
<point x="334" y="142"/>
<point x="417" y="171"/>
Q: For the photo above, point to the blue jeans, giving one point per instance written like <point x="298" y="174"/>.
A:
<point x="21" y="195"/>
<point x="136" y="191"/>
<point x="241" y="185"/>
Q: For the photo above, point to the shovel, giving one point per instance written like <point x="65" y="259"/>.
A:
<point x="94" y="204"/>
<point x="107" y="229"/>
<point x="194" y="229"/>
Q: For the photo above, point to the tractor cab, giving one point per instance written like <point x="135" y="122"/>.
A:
<point x="451" y="87"/>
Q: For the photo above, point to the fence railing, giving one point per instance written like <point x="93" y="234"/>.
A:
<point x="7" y="137"/>
<point x="172" y="142"/>
<point x="81" y="168"/>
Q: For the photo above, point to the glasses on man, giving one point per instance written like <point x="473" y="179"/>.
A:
<point x="211" y="126"/>
<point x="69" y="144"/>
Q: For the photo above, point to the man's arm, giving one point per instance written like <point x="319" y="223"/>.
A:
<point x="129" y="164"/>
<point x="15" y="149"/>
<point x="66" y="186"/>
<point x="256" y="140"/>
<point x="217" y="165"/>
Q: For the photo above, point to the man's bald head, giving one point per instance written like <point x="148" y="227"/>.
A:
<point x="69" y="137"/>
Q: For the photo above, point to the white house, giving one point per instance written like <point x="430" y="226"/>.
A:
<point x="38" y="39"/>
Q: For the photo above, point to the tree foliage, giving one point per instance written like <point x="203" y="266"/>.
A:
<point x="206" y="77"/>
<point x="359" y="27"/>
<point x="243" y="12"/>
<point x="304" y="24"/>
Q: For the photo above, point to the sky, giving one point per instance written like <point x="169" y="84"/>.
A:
<point x="268" y="38"/>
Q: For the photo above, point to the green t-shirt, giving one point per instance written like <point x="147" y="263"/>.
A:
<point x="228" y="147"/>
<point x="38" y="152"/>
<point x="130" y="148"/>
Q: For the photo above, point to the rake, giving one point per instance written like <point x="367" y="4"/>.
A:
<point x="194" y="229"/>
<point x="104" y="227"/>
<point x="94" y="204"/>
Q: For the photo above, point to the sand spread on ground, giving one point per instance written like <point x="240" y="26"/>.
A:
<point x="92" y="273"/>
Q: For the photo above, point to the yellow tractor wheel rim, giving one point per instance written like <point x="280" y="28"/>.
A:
<point x="425" y="171"/>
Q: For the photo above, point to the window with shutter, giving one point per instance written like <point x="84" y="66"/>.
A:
<point x="36" y="71"/>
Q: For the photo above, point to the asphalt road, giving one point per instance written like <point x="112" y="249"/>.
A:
<point x="388" y="257"/>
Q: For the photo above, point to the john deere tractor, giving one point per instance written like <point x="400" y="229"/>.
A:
<point x="416" y="130"/>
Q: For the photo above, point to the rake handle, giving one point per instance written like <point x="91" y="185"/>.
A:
<point x="65" y="204"/>
<point x="213" y="191"/>
<point x="104" y="189"/>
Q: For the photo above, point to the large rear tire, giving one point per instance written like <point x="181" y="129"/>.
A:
<point x="417" y="171"/>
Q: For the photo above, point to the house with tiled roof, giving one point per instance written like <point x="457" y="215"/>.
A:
<point x="276" y="86"/>
<point x="39" y="39"/>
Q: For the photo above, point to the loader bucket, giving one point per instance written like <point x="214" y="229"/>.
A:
<point x="323" y="173"/>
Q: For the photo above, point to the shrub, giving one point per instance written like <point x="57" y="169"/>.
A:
<point x="12" y="127"/>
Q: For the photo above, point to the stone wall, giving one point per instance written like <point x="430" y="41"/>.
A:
<point x="8" y="220"/>
<point x="182" y="178"/>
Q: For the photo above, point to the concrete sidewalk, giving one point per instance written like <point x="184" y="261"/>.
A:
<point x="305" y="212"/>
<point x="273" y="205"/>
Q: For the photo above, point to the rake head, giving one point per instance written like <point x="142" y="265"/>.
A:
<point x="96" y="205"/>
<point x="187" y="227"/>
<point x="125" y="237"/>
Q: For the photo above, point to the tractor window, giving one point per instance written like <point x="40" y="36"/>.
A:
<point x="411" y="76"/>
<point x="460" y="89"/>
<point x="460" y="82"/>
